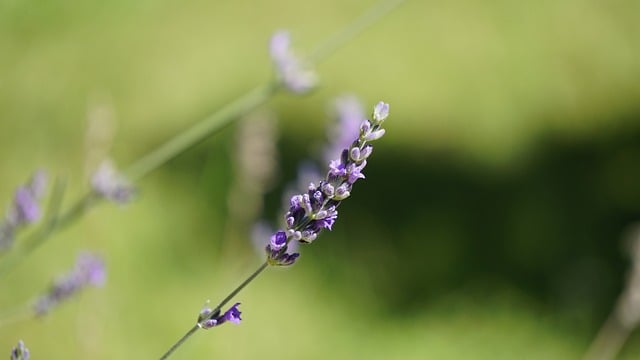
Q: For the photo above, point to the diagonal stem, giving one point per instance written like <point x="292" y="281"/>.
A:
<point x="215" y="311"/>
<point x="199" y="132"/>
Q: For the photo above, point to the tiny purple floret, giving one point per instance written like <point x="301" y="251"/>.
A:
<point x="20" y="352"/>
<point x="207" y="320"/>
<point x="88" y="271"/>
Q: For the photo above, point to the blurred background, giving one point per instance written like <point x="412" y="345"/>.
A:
<point x="491" y="224"/>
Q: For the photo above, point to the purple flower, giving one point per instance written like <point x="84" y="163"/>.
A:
<point x="277" y="254"/>
<point x="315" y="210"/>
<point x="349" y="114"/>
<point x="89" y="270"/>
<point x="25" y="208"/>
<point x="111" y="185"/>
<point x="233" y="314"/>
<point x="290" y="69"/>
<point x="208" y="319"/>
<point x="20" y="352"/>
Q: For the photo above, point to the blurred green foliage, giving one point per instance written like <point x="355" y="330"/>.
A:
<point x="490" y="224"/>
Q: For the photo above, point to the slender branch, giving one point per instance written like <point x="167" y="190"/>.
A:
<point x="609" y="341"/>
<point x="215" y="312"/>
<point x="355" y="28"/>
<point x="179" y="342"/>
<point x="199" y="131"/>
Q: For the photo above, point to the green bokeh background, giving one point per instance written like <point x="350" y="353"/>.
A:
<point x="490" y="225"/>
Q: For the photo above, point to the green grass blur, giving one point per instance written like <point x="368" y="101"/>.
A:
<point x="490" y="224"/>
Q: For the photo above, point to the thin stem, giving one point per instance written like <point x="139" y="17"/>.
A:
<point x="609" y="341"/>
<point x="216" y="311"/>
<point x="355" y="28"/>
<point x="179" y="342"/>
<point x="199" y="131"/>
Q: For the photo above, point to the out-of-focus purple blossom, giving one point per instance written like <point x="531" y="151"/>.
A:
<point x="349" y="114"/>
<point x="25" y="208"/>
<point x="110" y="184"/>
<point x="88" y="271"/>
<point x="208" y="319"/>
<point x="311" y="212"/>
<point x="294" y="74"/>
<point x="20" y="352"/>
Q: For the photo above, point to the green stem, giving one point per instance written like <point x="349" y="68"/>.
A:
<point x="609" y="341"/>
<point x="216" y="310"/>
<point x="355" y="28"/>
<point x="199" y="132"/>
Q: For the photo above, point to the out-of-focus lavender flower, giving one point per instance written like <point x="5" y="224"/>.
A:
<point x="207" y="319"/>
<point x="89" y="270"/>
<point x="25" y="208"/>
<point x="20" y="352"/>
<point x="110" y="184"/>
<point x="255" y="165"/>
<point x="294" y="74"/>
<point x="315" y="210"/>
<point x="349" y="114"/>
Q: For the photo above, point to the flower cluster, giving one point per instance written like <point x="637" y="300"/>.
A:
<point x="292" y="72"/>
<point x="20" y="352"/>
<point x="89" y="270"/>
<point x="111" y="185"/>
<point x="208" y="318"/>
<point x="25" y="208"/>
<point x="316" y="210"/>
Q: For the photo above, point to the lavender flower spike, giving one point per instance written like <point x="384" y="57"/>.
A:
<point x="20" y="352"/>
<point x="316" y="210"/>
<point x="110" y="184"/>
<point x="89" y="270"/>
<point x="207" y="319"/>
<point x="25" y="208"/>
<point x="290" y="69"/>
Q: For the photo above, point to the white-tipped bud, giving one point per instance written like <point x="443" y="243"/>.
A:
<point x="294" y="235"/>
<point x="354" y="153"/>
<point x="380" y="112"/>
<point x="365" y="128"/>
<point x="342" y="192"/>
<point x="328" y="189"/>
<point x="375" y="135"/>
<point x="308" y="236"/>
<point x="321" y="214"/>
